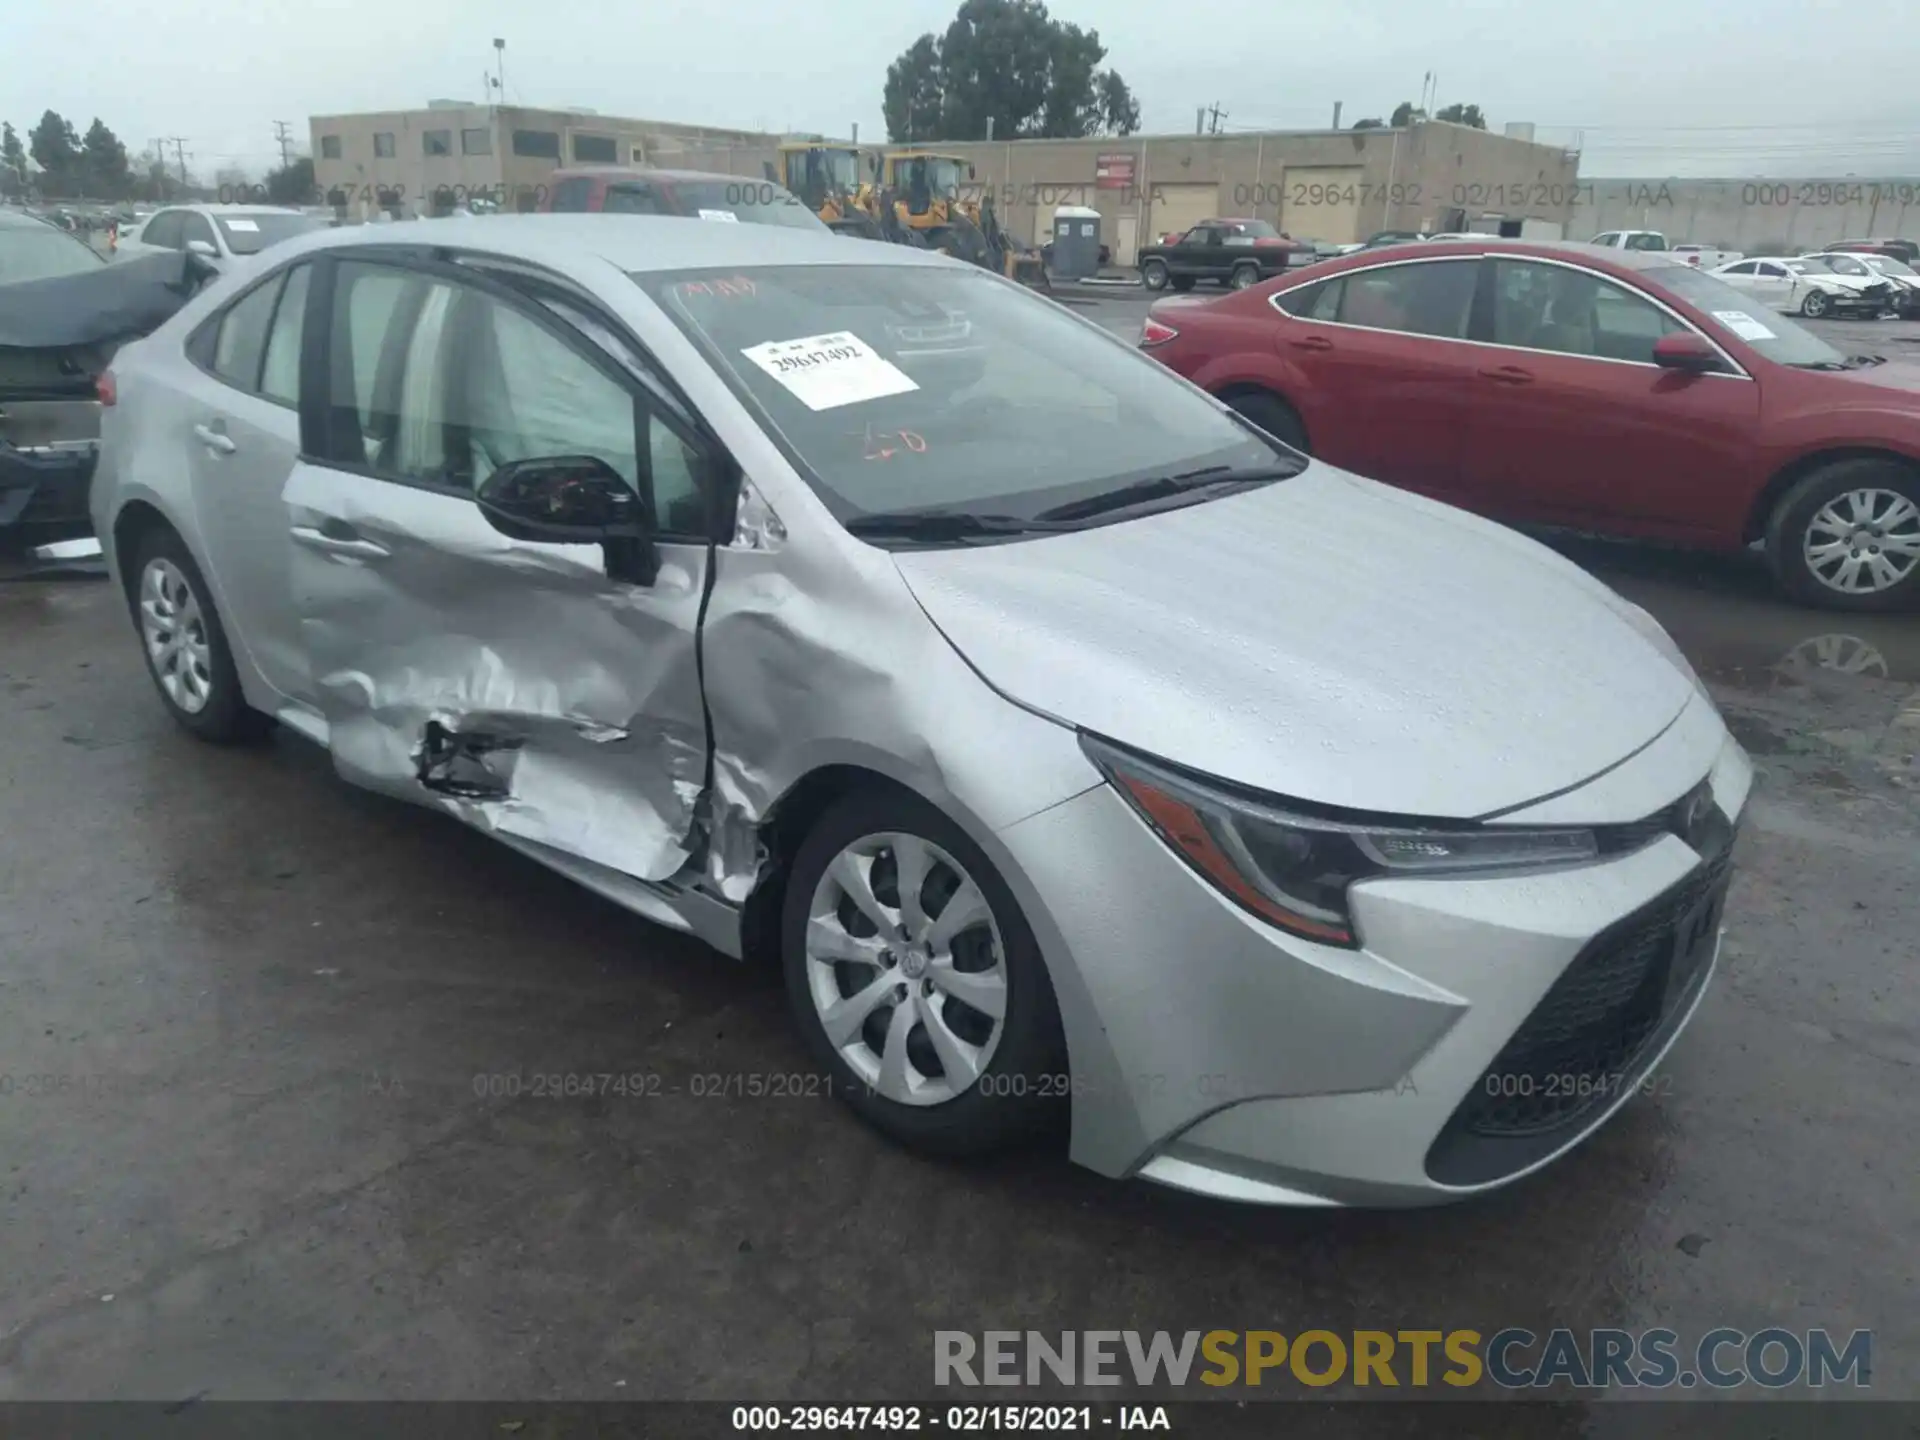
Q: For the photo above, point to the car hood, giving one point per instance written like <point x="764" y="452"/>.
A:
<point x="1323" y="638"/>
<point x="1838" y="282"/>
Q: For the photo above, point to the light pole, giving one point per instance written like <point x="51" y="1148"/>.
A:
<point x="500" y="68"/>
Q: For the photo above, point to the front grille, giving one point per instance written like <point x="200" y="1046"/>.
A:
<point x="1578" y="1049"/>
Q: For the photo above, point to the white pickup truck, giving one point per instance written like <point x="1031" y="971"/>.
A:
<point x="1705" y="257"/>
<point x="1631" y="240"/>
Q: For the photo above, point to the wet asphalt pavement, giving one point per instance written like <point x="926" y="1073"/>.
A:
<point x="249" y="1147"/>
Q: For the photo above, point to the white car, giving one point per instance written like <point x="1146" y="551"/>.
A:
<point x="1905" y="279"/>
<point x="1705" y="257"/>
<point x="218" y="233"/>
<point x="1631" y="240"/>
<point x="1808" y="285"/>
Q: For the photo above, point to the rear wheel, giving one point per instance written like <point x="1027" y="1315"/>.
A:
<point x="1154" y="274"/>
<point x="186" y="648"/>
<point x="1245" y="276"/>
<point x="1273" y="415"/>
<point x="1847" y="537"/>
<point x="916" y="981"/>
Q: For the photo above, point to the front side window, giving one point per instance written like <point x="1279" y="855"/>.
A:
<point x="1611" y="238"/>
<point x="195" y="226"/>
<point x="570" y="196"/>
<point x="913" y="388"/>
<point x="1646" y="240"/>
<point x="1573" y="312"/>
<point x="383" y="144"/>
<point x="241" y="343"/>
<point x="329" y="147"/>
<point x="1432" y="298"/>
<point x="477" y="141"/>
<point x="440" y="383"/>
<point x="537" y="144"/>
<point x="1745" y="267"/>
<point x="436" y="142"/>
<point x="595" y="149"/>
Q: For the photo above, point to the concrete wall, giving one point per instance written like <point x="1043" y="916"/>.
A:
<point x="1752" y="216"/>
<point x="414" y="175"/>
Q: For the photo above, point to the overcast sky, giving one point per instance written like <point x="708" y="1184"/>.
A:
<point x="1651" y="87"/>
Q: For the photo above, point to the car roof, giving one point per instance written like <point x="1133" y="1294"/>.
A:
<point x="216" y="211"/>
<point x="634" y="243"/>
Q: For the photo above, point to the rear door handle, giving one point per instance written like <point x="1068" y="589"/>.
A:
<point x="349" y="546"/>
<point x="1508" y="375"/>
<point x="1313" y="342"/>
<point x="216" y="440"/>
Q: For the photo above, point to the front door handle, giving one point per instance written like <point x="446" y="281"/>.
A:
<point x="348" y="546"/>
<point x="1313" y="342"/>
<point x="1508" y="375"/>
<point x="216" y="440"/>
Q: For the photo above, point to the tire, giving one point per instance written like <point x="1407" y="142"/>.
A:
<point x="204" y="695"/>
<point x="1808" y="514"/>
<point x="1154" y="275"/>
<point x="1245" y="277"/>
<point x="1183" y="283"/>
<point x="1273" y="415"/>
<point x="1817" y="305"/>
<point x="1017" y="1093"/>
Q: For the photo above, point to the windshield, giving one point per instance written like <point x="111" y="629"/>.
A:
<point x="941" y="178"/>
<point x="1886" y="265"/>
<point x="250" y="234"/>
<point x="752" y="202"/>
<point x="1773" y="335"/>
<point x="40" y="252"/>
<point x="922" y="388"/>
<point x="1646" y="240"/>
<point x="1848" y="265"/>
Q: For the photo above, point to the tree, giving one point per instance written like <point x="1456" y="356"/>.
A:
<point x="104" y="161"/>
<point x="56" y="150"/>
<point x="1009" y="67"/>
<point x="1405" y="113"/>
<point x="1372" y="123"/>
<point x="1462" y="115"/>
<point x="13" y="161"/>
<point x="291" y="184"/>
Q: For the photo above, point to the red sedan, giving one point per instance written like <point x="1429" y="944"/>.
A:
<point x="1607" y="391"/>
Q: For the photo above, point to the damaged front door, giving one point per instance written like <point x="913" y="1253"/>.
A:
<point x="545" y="692"/>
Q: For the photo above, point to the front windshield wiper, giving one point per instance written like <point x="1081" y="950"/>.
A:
<point x="938" y="525"/>
<point x="1851" y="362"/>
<point x="1159" y="487"/>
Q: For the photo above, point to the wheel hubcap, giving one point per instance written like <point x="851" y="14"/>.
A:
<point x="1864" y="541"/>
<point x="906" y="968"/>
<point x="175" y="632"/>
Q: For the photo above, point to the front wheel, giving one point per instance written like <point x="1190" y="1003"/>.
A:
<point x="1154" y="274"/>
<point x="916" y="981"/>
<point x="1847" y="537"/>
<point x="1817" y="305"/>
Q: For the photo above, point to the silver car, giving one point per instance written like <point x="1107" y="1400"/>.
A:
<point x="1081" y="754"/>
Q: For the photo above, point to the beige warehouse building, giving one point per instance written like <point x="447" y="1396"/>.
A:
<point x="400" y="160"/>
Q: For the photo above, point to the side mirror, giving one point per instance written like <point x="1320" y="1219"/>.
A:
<point x="202" y="247"/>
<point x="572" y="500"/>
<point x="1684" y="350"/>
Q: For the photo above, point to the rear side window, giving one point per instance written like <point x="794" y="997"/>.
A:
<point x="241" y="344"/>
<point x="280" y="371"/>
<point x="1430" y="298"/>
<point x="1319" y="301"/>
<point x="573" y="195"/>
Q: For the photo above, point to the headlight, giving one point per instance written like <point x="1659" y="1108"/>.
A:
<point x="1294" y="870"/>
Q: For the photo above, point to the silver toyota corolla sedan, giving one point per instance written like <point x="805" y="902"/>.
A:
<point x="1080" y="753"/>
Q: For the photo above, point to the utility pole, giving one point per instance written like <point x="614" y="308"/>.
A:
<point x="180" y="154"/>
<point x="1336" y="114"/>
<point x="500" y="68"/>
<point x="283" y="134"/>
<point x="1200" y="121"/>
<point x="1213" y="126"/>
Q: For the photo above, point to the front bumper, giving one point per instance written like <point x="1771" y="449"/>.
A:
<point x="44" y="494"/>
<point x="1212" y="1053"/>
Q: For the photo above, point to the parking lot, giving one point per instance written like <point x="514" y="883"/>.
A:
<point x="266" y="1133"/>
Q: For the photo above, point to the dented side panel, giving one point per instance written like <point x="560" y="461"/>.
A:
<point x="509" y="683"/>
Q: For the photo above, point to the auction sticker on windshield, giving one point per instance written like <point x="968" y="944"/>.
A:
<point x="725" y="215"/>
<point x="1743" y="325"/>
<point x="824" y="372"/>
<point x="242" y="225"/>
